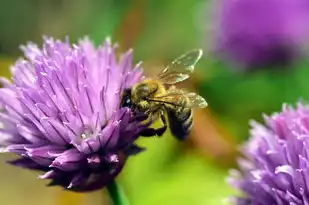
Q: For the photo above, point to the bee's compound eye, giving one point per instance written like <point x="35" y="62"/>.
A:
<point x="143" y="90"/>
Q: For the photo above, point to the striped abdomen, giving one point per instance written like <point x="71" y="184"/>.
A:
<point x="180" y="122"/>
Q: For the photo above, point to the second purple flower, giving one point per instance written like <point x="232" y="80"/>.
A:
<point x="275" y="167"/>
<point x="254" y="33"/>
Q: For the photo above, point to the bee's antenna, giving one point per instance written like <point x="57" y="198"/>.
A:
<point x="160" y="101"/>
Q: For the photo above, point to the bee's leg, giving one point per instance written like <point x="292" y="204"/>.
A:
<point x="139" y="116"/>
<point x="149" y="132"/>
<point x="160" y="131"/>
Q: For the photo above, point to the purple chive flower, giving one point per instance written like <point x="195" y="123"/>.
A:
<point x="61" y="112"/>
<point x="253" y="33"/>
<point x="275" y="169"/>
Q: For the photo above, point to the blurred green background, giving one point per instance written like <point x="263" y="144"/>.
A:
<point x="170" y="172"/>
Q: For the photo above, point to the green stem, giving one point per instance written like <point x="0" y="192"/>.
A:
<point x="117" y="195"/>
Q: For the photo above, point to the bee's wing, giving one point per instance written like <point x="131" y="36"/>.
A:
<point x="196" y="101"/>
<point x="177" y="96"/>
<point x="181" y="68"/>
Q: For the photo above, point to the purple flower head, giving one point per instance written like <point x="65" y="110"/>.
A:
<point x="276" y="166"/>
<point x="253" y="33"/>
<point x="61" y="112"/>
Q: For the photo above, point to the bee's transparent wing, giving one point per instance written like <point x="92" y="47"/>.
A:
<point x="195" y="101"/>
<point x="181" y="68"/>
<point x="177" y="97"/>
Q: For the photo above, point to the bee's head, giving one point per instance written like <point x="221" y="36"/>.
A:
<point x="144" y="90"/>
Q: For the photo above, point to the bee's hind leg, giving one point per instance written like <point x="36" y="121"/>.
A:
<point x="160" y="131"/>
<point x="149" y="132"/>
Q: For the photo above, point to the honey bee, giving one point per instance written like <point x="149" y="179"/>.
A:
<point x="158" y="96"/>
